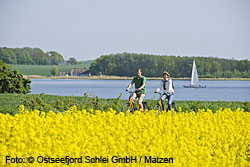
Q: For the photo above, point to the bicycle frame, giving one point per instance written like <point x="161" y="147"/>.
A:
<point x="159" y="101"/>
<point x="131" y="103"/>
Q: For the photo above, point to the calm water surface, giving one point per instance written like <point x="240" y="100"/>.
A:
<point x="216" y="90"/>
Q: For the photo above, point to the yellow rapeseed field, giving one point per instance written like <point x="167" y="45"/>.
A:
<point x="97" y="138"/>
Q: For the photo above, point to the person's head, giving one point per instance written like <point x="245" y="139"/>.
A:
<point x="138" y="72"/>
<point x="166" y="75"/>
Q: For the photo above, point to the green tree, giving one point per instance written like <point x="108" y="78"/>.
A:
<point x="216" y="67"/>
<point x="7" y="56"/>
<point x="72" y="61"/>
<point x="39" y="57"/>
<point x="54" y="70"/>
<point x="55" y="58"/>
<point x="236" y="73"/>
<point x="12" y="81"/>
<point x="23" y="56"/>
<point x="227" y="74"/>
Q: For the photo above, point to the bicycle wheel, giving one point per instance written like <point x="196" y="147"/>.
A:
<point x="127" y="108"/>
<point x="157" y="108"/>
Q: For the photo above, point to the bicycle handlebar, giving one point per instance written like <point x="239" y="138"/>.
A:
<point x="158" y="93"/>
<point x="131" y="91"/>
<point x="161" y="94"/>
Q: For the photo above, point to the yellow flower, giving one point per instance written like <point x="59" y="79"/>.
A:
<point x="205" y="138"/>
<point x="21" y="108"/>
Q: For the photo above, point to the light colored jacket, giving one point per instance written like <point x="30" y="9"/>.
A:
<point x="168" y="86"/>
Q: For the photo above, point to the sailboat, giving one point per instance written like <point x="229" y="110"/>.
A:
<point x="194" y="79"/>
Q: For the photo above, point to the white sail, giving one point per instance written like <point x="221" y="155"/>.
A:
<point x="194" y="79"/>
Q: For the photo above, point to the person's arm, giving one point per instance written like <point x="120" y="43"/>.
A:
<point x="170" y="86"/>
<point x="129" y="86"/>
<point x="159" y="88"/>
<point x="142" y="86"/>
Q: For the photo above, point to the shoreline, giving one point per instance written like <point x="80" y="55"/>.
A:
<point x="122" y="78"/>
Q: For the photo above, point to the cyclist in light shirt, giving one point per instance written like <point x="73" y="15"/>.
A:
<point x="168" y="90"/>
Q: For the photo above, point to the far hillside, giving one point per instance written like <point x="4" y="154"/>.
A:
<point x="34" y="61"/>
<point x="125" y="64"/>
<point x="44" y="70"/>
<point x="35" y="56"/>
<point x="29" y="56"/>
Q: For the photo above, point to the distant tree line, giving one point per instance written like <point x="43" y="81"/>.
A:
<point x="125" y="64"/>
<point x="32" y="56"/>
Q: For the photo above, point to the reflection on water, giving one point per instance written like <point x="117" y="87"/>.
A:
<point x="216" y="90"/>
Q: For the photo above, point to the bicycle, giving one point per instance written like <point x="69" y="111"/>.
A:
<point x="129" y="106"/>
<point x="158" y="107"/>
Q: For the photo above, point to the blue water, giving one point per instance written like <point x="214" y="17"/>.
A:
<point x="216" y="90"/>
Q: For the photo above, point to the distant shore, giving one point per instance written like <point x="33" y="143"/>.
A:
<point x="120" y="78"/>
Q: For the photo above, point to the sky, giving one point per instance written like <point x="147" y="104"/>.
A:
<point x="87" y="29"/>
